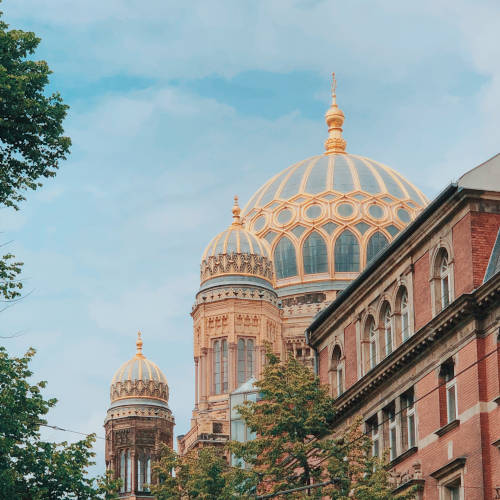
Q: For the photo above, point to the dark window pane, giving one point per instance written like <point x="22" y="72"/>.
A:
<point x="376" y="243"/>
<point x="346" y="253"/>
<point x="315" y="254"/>
<point x="285" y="261"/>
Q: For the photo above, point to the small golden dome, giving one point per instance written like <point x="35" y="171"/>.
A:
<point x="139" y="378"/>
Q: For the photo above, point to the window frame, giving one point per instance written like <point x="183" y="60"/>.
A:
<point x="220" y="366"/>
<point x="248" y="359"/>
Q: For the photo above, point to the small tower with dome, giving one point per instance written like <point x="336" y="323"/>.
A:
<point x="235" y="315"/>
<point x="137" y="423"/>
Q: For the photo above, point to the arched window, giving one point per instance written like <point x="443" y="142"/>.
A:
<point x="143" y="471"/>
<point x="404" y="312"/>
<point x="337" y="368"/>
<point x="371" y="336"/>
<point x="376" y="243"/>
<point x="346" y="253"/>
<point x="220" y="366"/>
<point x="387" y="323"/>
<point x="129" y="471"/>
<point x="315" y="254"/>
<point x="246" y="358"/>
<point x="444" y="278"/>
<point x="285" y="261"/>
<point x="123" y="471"/>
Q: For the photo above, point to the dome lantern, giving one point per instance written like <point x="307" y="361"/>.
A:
<point x="334" y="119"/>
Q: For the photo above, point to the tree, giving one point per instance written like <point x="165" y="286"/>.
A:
<point x="30" y="468"/>
<point x="294" y="448"/>
<point x="31" y="133"/>
<point x="200" y="474"/>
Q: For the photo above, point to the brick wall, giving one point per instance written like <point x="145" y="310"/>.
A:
<point x="462" y="256"/>
<point x="351" y="355"/>
<point x="484" y="229"/>
<point x="323" y="365"/>
<point x="422" y="292"/>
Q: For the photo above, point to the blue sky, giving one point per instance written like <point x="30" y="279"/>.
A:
<point x="176" y="107"/>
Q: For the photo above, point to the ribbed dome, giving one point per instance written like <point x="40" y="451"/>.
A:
<point x="236" y="239"/>
<point x="339" y="174"/>
<point x="139" y="378"/>
<point x="236" y="255"/>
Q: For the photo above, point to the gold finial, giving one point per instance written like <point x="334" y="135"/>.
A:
<point x="236" y="213"/>
<point x="139" y="345"/>
<point x="334" y="119"/>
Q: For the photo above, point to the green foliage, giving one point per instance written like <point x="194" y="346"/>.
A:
<point x="291" y="420"/>
<point x="202" y="474"/>
<point x="9" y="284"/>
<point x="31" y="133"/>
<point x="30" y="468"/>
<point x="294" y="447"/>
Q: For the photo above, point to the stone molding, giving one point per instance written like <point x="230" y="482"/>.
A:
<point x="140" y="389"/>
<point x="236" y="263"/>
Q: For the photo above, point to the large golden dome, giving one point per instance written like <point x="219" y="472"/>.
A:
<point x="327" y="216"/>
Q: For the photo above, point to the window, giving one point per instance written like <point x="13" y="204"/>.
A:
<point x="404" y="314"/>
<point x="346" y="253"/>
<point x="372" y="429"/>
<point x="315" y="254"/>
<point x="245" y="360"/>
<point x="376" y="243"/>
<point x="123" y="471"/>
<point x="444" y="280"/>
<point x="449" y="386"/>
<point x="143" y="470"/>
<point x="337" y="369"/>
<point x="452" y="490"/>
<point x="220" y="366"/>
<point x="285" y="262"/>
<point x="373" y="343"/>
<point x="129" y="471"/>
<point x="391" y="414"/>
<point x="387" y="319"/>
<point x="409" y="432"/>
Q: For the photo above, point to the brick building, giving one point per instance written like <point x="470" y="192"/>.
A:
<point x="413" y="345"/>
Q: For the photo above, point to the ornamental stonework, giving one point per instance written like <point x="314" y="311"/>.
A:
<point x="139" y="388"/>
<point x="236" y="263"/>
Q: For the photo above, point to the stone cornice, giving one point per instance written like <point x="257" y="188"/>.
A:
<point x="465" y="306"/>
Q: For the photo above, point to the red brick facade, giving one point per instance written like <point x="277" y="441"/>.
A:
<point x="444" y="364"/>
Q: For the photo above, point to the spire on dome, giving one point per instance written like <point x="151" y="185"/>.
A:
<point x="334" y="119"/>
<point x="236" y="213"/>
<point x="138" y="343"/>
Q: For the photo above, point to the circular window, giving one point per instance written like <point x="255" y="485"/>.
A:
<point x="259" y="223"/>
<point x="403" y="215"/>
<point x="376" y="211"/>
<point x="313" y="212"/>
<point x="345" y="209"/>
<point x="285" y="216"/>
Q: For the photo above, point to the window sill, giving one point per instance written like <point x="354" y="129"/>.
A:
<point x="448" y="427"/>
<point x="400" y="458"/>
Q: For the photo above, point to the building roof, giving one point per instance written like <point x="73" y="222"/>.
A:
<point x="478" y="178"/>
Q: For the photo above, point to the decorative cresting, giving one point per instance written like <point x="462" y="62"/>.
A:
<point x="334" y="119"/>
<point x="236" y="251"/>
<point x="139" y="378"/>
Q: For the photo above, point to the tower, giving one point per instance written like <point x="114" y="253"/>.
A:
<point x="235" y="316"/>
<point x="137" y="423"/>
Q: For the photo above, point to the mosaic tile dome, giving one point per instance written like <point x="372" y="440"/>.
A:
<point x="139" y="380"/>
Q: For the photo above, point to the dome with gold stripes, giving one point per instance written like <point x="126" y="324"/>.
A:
<point x="139" y="379"/>
<point x="236" y="256"/>
<point x="326" y="217"/>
